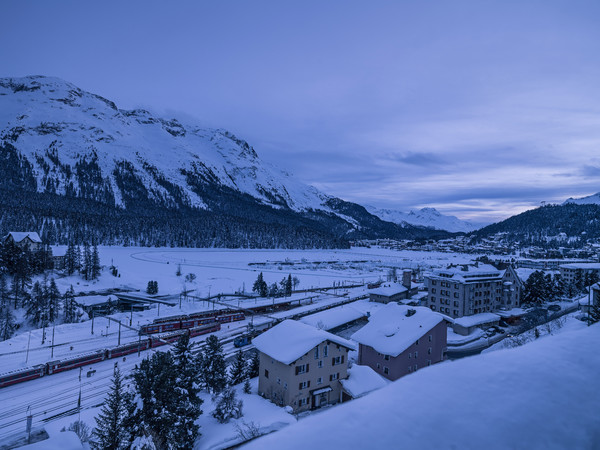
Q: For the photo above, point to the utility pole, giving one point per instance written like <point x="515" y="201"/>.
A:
<point x="119" y="343"/>
<point x="28" y="425"/>
<point x="52" y="353"/>
<point x="131" y="316"/>
<point x="93" y="320"/>
<point x="28" y="341"/>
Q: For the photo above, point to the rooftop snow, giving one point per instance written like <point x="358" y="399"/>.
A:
<point x="362" y="380"/>
<point x="553" y="392"/>
<point x="477" y="319"/>
<point x="18" y="236"/>
<point x="583" y="266"/>
<point x="332" y="318"/>
<point x="388" y="291"/>
<point x="290" y="340"/>
<point x="390" y="331"/>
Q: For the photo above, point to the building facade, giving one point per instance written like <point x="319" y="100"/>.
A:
<point x="468" y="289"/>
<point x="399" y="340"/>
<point x="29" y="240"/>
<point x="301" y="366"/>
<point x="570" y="272"/>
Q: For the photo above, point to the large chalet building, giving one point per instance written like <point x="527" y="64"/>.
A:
<point x="467" y="289"/>
<point x="27" y="240"/>
<point x="400" y="339"/>
<point x="301" y="366"/>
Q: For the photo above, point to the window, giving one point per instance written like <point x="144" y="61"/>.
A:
<point x="430" y="338"/>
<point x="302" y="401"/>
<point x="386" y="357"/>
<point x="302" y="369"/>
<point x="416" y="367"/>
<point x="428" y="362"/>
<point x="429" y="351"/>
<point x="285" y="386"/>
<point x="334" y="376"/>
<point x="417" y="343"/>
<point x="416" y="354"/>
<point x="320" y="364"/>
<point x="326" y="350"/>
<point x="378" y="366"/>
<point x="409" y="355"/>
<point x="278" y="380"/>
<point x="320" y="380"/>
<point x="409" y="369"/>
<point x="386" y="370"/>
<point x="433" y="282"/>
<point x="266" y="373"/>
<point x="304" y="385"/>
<point x="337" y="360"/>
<point x="317" y="352"/>
<point x="433" y="290"/>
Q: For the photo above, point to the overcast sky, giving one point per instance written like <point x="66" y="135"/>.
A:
<point x="481" y="109"/>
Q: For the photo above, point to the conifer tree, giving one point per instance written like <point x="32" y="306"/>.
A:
<point x="70" y="309"/>
<point x="36" y="306"/>
<point x="70" y="259"/>
<point x="288" y="285"/>
<point x="152" y="415"/>
<point x="260" y="286"/>
<point x="247" y="387"/>
<point x="110" y="432"/>
<point x="254" y="366"/>
<point x="86" y="266"/>
<point x="239" y="369"/>
<point x="95" y="267"/>
<point x="227" y="406"/>
<point x="188" y="404"/>
<point x="7" y="318"/>
<point x="213" y="365"/>
<point x="52" y="297"/>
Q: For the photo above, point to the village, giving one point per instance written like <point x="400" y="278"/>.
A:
<point x="372" y="319"/>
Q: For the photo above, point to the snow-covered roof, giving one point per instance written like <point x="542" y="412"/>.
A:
<point x="388" y="291"/>
<point x="477" y="319"/>
<point x="362" y="380"/>
<point x="391" y="331"/>
<point x="511" y="312"/>
<point x="553" y="404"/>
<point x="466" y="273"/>
<point x="18" y="236"/>
<point x="332" y="318"/>
<point x="289" y="340"/>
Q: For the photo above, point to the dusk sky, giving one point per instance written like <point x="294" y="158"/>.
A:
<point x="480" y="109"/>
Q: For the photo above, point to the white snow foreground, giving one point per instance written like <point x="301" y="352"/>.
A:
<point x="540" y="396"/>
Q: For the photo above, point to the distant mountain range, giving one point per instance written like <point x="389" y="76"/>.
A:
<point x="426" y="217"/>
<point x="76" y="167"/>
<point x="593" y="199"/>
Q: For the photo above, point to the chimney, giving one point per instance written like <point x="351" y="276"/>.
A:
<point x="406" y="275"/>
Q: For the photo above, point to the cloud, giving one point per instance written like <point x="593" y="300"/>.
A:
<point x="419" y="159"/>
<point x="590" y="171"/>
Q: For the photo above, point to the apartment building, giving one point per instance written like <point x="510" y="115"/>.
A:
<point x="466" y="289"/>
<point x="301" y="366"/>
<point x="570" y="272"/>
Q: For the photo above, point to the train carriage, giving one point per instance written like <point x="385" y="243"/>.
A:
<point x="157" y="341"/>
<point x="231" y="317"/>
<point x="205" y="329"/>
<point x="78" y="361"/>
<point x="127" y="349"/>
<point x="170" y="319"/>
<point x="17" y="376"/>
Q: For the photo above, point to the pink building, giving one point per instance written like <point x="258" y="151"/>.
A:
<point x="399" y="340"/>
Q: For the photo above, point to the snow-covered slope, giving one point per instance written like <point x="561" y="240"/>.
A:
<point x="593" y="199"/>
<point x="426" y="217"/>
<point x="543" y="395"/>
<point x="54" y="124"/>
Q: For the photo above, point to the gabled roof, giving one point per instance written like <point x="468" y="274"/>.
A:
<point x="391" y="331"/>
<point x="289" y="340"/>
<point x="388" y="291"/>
<point x="18" y="236"/>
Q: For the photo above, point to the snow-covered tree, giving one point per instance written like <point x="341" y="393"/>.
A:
<point x="71" y="311"/>
<point x="253" y="371"/>
<point x="37" y="306"/>
<point x="95" y="267"/>
<point x="7" y="318"/>
<point x="110" y="432"/>
<point x="238" y="371"/>
<point x="52" y="301"/>
<point x="213" y="367"/>
<point x="188" y="404"/>
<point x="152" y="415"/>
<point x="227" y="406"/>
<point x="260" y="286"/>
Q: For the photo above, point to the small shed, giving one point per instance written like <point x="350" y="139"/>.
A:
<point x="467" y="324"/>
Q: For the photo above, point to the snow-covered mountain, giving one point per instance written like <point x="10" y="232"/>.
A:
<point x="593" y="199"/>
<point x="425" y="217"/>
<point x="74" y="144"/>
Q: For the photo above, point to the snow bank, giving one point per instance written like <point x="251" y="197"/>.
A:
<point x="543" y="395"/>
<point x="362" y="380"/>
<point x="66" y="440"/>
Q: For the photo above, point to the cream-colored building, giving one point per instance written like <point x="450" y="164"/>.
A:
<point x="301" y="366"/>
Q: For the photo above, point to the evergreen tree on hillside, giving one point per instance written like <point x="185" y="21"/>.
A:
<point x="37" y="306"/>
<point x="110" y="432"/>
<point x="86" y="266"/>
<point x="7" y="318"/>
<point x="213" y="369"/>
<point x="70" y="309"/>
<point x="70" y="261"/>
<point x="238" y="371"/>
<point x="536" y="289"/>
<point x="188" y="404"/>
<point x="53" y="300"/>
<point x="288" y="285"/>
<point x="254" y="365"/>
<point x="260" y="286"/>
<point x="153" y="413"/>
<point x="95" y="267"/>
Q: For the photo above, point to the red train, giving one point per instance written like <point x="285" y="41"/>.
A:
<point x="38" y="371"/>
<point x="173" y="323"/>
